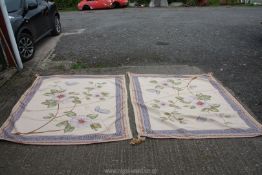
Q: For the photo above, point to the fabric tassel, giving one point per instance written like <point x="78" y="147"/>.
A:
<point x="137" y="141"/>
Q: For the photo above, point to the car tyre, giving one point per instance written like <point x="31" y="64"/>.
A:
<point x="115" y="5"/>
<point x="26" y="46"/>
<point x="57" y="29"/>
<point x="86" y="7"/>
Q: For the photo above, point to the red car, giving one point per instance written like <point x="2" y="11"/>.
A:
<point x="101" y="4"/>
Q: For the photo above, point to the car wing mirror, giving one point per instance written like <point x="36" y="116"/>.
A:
<point x="31" y="5"/>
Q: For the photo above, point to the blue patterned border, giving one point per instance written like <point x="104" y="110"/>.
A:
<point x="119" y="123"/>
<point x="253" y="128"/>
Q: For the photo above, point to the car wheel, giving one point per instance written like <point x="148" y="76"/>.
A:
<point x="57" y="29"/>
<point x="86" y="7"/>
<point x="26" y="46"/>
<point x="115" y="5"/>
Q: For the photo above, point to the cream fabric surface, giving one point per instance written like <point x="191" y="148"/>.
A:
<point x="71" y="106"/>
<point x="187" y="107"/>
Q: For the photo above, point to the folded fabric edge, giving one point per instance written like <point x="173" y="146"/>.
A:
<point x="64" y="143"/>
<point x="126" y="116"/>
<point x="201" y="136"/>
<point x="139" y="125"/>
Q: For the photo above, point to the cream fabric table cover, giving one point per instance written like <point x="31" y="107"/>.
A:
<point x="73" y="109"/>
<point x="188" y="106"/>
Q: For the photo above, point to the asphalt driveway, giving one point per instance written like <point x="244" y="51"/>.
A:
<point x="224" y="40"/>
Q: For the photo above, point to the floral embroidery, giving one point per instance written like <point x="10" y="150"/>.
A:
<point x="101" y="110"/>
<point x="184" y="99"/>
<point x="80" y="122"/>
<point x="58" y="96"/>
<point x="93" y="91"/>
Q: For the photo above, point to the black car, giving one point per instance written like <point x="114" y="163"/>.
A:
<point x="31" y="21"/>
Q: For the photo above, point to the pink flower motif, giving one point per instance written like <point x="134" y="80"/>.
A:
<point x="200" y="103"/>
<point x="60" y="96"/>
<point x="97" y="95"/>
<point x="163" y="104"/>
<point x="165" y="84"/>
<point x="194" y="101"/>
<point x="80" y="121"/>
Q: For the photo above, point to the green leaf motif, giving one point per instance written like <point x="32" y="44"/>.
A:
<point x="102" y="83"/>
<point x="157" y="101"/>
<point x="153" y="81"/>
<point x="92" y="116"/>
<point x="69" y="128"/>
<point x="227" y="123"/>
<point x="167" y="113"/>
<point x="95" y="126"/>
<point x="212" y="108"/>
<point x="55" y="91"/>
<point x="177" y="88"/>
<point x="205" y="110"/>
<point x="50" y="103"/>
<point x="47" y="117"/>
<point x="76" y="101"/>
<point x="159" y="87"/>
<point x="73" y="93"/>
<point x="48" y="94"/>
<point x="174" y="106"/>
<point x="50" y="115"/>
<point x="173" y="82"/>
<point x="215" y="105"/>
<point x="155" y="106"/>
<point x="203" y="97"/>
<point x="63" y="123"/>
<point x="89" y="88"/>
<point x="70" y="113"/>
<point x="227" y="116"/>
<point x="192" y="107"/>
<point x="87" y="94"/>
<point x="105" y="94"/>
<point x="177" y="83"/>
<point x="163" y="118"/>
<point x="181" y="99"/>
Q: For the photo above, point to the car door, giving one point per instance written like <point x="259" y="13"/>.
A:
<point x="93" y="4"/>
<point x="36" y="19"/>
<point x="104" y="3"/>
<point x="44" y="8"/>
<point x="98" y="4"/>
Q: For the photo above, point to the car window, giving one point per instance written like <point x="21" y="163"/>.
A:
<point x="12" y="5"/>
<point x="39" y="1"/>
<point x="32" y="1"/>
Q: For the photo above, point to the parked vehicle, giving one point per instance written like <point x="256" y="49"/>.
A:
<point x="101" y="4"/>
<point x="32" y="20"/>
